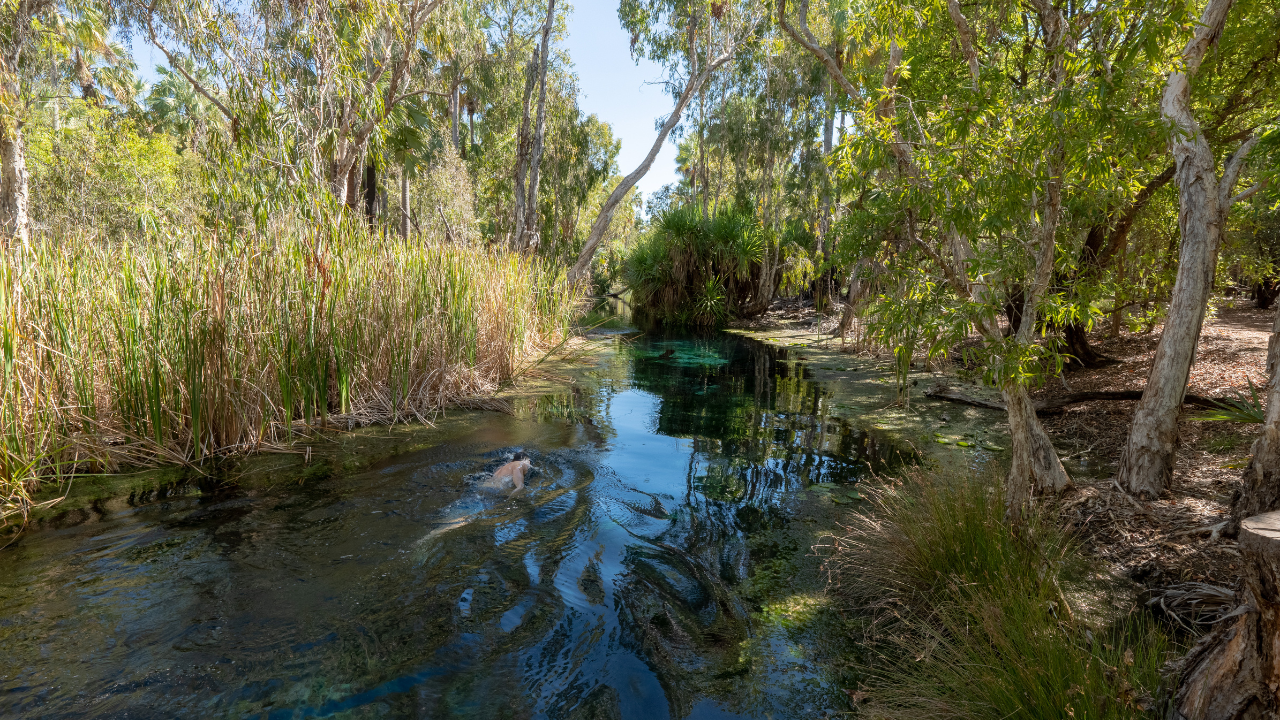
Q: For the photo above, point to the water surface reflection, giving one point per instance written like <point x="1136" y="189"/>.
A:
<point x="611" y="588"/>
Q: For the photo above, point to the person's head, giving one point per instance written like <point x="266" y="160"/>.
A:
<point x="519" y="456"/>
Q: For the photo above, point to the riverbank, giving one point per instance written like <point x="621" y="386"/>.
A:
<point x="1158" y="543"/>
<point x="190" y="349"/>
<point x="1160" y="569"/>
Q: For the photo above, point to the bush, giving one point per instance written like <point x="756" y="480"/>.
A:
<point x="971" y="619"/>
<point x="695" y="270"/>
<point x="97" y="173"/>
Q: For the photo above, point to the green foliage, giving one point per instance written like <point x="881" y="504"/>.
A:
<point x="99" y="171"/>
<point x="978" y="620"/>
<point x="694" y="270"/>
<point x="1242" y="409"/>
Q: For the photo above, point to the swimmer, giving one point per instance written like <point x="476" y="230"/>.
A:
<point x="469" y="507"/>
<point x="516" y="470"/>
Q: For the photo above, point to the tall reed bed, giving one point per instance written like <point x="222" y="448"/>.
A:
<point x="182" y="348"/>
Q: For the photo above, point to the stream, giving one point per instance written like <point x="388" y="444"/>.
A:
<point x="657" y="565"/>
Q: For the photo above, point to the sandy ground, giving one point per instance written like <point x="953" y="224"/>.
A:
<point x="1166" y="541"/>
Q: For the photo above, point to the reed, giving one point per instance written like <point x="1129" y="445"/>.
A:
<point x="186" y="347"/>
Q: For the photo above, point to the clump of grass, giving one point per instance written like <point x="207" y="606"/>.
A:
<point x="970" y="618"/>
<point x="185" y="347"/>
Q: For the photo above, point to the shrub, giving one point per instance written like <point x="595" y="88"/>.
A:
<point x="971" y="619"/>
<point x="691" y="269"/>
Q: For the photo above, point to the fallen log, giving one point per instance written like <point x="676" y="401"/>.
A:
<point x="944" y="392"/>
<point x="1233" y="673"/>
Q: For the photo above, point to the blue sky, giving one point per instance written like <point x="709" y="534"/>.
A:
<point x="612" y="86"/>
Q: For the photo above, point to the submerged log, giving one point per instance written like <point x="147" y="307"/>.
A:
<point x="944" y="392"/>
<point x="1233" y="673"/>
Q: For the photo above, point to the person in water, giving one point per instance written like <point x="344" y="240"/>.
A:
<point x="465" y="509"/>
<point x="514" y="471"/>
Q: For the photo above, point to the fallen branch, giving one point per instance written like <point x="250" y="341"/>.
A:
<point x="943" y="392"/>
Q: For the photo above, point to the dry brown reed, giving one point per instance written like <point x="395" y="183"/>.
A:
<point x="186" y="347"/>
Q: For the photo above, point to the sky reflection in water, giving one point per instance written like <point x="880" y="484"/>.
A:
<point x="610" y="589"/>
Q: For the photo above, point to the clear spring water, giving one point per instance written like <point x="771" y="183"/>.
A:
<point x="624" y="583"/>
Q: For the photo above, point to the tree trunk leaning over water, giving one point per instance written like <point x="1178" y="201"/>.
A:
<point x="581" y="270"/>
<point x="1146" y="464"/>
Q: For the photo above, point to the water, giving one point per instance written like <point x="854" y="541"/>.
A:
<point x="648" y="571"/>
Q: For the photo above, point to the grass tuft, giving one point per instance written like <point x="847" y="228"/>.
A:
<point x="968" y="618"/>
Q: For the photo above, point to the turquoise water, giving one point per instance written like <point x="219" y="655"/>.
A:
<point x="638" y="575"/>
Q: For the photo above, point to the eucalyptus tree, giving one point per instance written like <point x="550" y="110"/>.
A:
<point x="40" y="41"/>
<point x="531" y="142"/>
<point x="305" y="88"/>
<point x="694" y="39"/>
<point x="972" y="159"/>
<point x="1238" y="77"/>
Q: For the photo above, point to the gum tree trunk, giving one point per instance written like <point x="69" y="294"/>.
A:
<point x="1233" y="673"/>
<point x="1146" y="464"/>
<point x="529" y="235"/>
<point x="15" y="185"/>
<point x="1033" y="454"/>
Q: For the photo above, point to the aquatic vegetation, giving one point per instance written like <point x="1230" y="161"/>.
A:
<point x="185" y="347"/>
<point x="970" y="618"/>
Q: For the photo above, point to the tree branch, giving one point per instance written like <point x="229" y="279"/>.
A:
<point x="810" y="43"/>
<point x="173" y="62"/>
<point x="966" y="38"/>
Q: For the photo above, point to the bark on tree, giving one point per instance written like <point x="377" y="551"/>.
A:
<point x="15" y="185"/>
<point x="1233" y="673"/>
<point x="1259" y="490"/>
<point x="524" y="145"/>
<point x="581" y="270"/>
<point x="1033" y="454"/>
<point x="1146" y="464"/>
<point x="404" y="201"/>
<point x="529" y="236"/>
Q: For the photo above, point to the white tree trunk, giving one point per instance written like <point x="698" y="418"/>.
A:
<point x="15" y="185"/>
<point x="529" y="238"/>
<point x="1035" y="464"/>
<point x="1146" y="464"/>
<point x="579" y="273"/>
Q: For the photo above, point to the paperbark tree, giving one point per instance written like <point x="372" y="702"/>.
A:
<point x="18" y="22"/>
<point x="1035" y="465"/>
<point x="1146" y="464"/>
<point x="529" y="154"/>
<point x="735" y="24"/>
